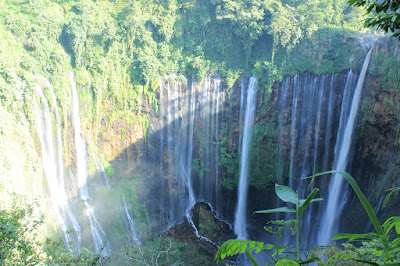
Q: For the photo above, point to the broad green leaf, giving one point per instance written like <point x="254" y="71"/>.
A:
<point x="317" y="200"/>
<point x="243" y="247"/>
<point x="252" y="244"/>
<point x="353" y="237"/>
<point x="259" y="248"/>
<point x="286" y="194"/>
<point x="281" y="209"/>
<point x="281" y="250"/>
<point x="283" y="222"/>
<point x="367" y="206"/>
<point x="377" y="253"/>
<point x="393" y="221"/>
<point x="286" y="262"/>
<point x="222" y="255"/>
<point x="269" y="246"/>
<point x="395" y="243"/>
<point x="291" y="252"/>
<point x="235" y="246"/>
<point x="235" y="249"/>
<point x="310" y="260"/>
<point x="308" y="200"/>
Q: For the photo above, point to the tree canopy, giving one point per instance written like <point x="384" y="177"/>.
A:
<point x="383" y="14"/>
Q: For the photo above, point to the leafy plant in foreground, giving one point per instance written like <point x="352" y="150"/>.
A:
<point x="389" y="244"/>
<point x="286" y="194"/>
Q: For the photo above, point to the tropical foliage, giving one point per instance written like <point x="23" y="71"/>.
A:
<point x="118" y="49"/>
<point x="286" y="194"/>
<point x="380" y="248"/>
<point x="22" y="241"/>
<point x="384" y="15"/>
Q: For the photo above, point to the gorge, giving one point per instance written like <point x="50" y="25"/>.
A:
<point x="137" y="133"/>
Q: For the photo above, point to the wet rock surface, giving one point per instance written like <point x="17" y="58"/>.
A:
<point x="212" y="231"/>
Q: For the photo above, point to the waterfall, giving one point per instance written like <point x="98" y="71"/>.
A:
<point x="80" y="148"/>
<point x="171" y="133"/>
<point x="163" y="216"/>
<point x="188" y="157"/>
<point x="296" y="93"/>
<point x="99" y="237"/>
<point x="305" y="111"/>
<point x="328" y="126"/>
<point x="282" y="118"/>
<point x="53" y="166"/>
<point x="189" y="151"/>
<point x="217" y="85"/>
<point x="100" y="169"/>
<point x="128" y="221"/>
<point x="205" y="160"/>
<point x="309" y="214"/>
<point x="336" y="199"/>
<point x="242" y="93"/>
<point x="181" y="109"/>
<point x="240" y="215"/>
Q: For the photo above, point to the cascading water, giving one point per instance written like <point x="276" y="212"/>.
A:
<point x="172" y="131"/>
<point x="209" y="112"/>
<point x="296" y="92"/>
<point x="128" y="221"/>
<point x="217" y="87"/>
<point x="285" y="86"/>
<point x="163" y="216"/>
<point x="205" y="161"/>
<point x="99" y="237"/>
<point x="54" y="170"/>
<point x="306" y="102"/>
<point x="100" y="169"/>
<point x="308" y="109"/>
<point x="242" y="95"/>
<point x="189" y="146"/>
<point x="186" y="152"/>
<point x="240" y="226"/>
<point x="334" y="203"/>
<point x="189" y="157"/>
<point x="328" y="126"/>
<point x="181" y="108"/>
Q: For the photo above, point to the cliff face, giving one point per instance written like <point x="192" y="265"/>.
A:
<point x="376" y="162"/>
<point x="215" y="149"/>
<point x="152" y="146"/>
<point x="183" y="145"/>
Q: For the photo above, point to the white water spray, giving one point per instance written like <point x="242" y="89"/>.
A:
<point x="100" y="169"/>
<point x="334" y="204"/>
<point x="240" y="225"/>
<point x="99" y="237"/>
<point x="128" y="221"/>
<point x="53" y="166"/>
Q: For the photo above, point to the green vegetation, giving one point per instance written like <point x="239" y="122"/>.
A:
<point x="118" y="49"/>
<point x="22" y="242"/>
<point x="286" y="194"/>
<point x="385" y="64"/>
<point x="229" y="163"/>
<point x="382" y="14"/>
<point x="263" y="155"/>
<point x="380" y="248"/>
<point x="107" y="166"/>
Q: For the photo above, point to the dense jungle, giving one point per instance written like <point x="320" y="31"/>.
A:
<point x="184" y="132"/>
